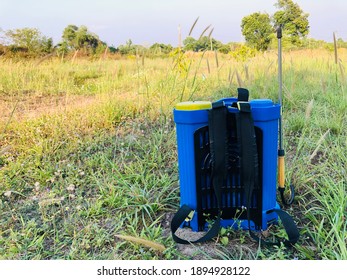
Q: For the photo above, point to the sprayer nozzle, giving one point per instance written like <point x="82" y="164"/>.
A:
<point x="279" y="32"/>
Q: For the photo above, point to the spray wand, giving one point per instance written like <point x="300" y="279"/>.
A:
<point x="281" y="153"/>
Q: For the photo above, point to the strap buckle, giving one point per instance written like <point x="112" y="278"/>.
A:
<point x="244" y="106"/>
<point x="190" y="216"/>
<point x="218" y="104"/>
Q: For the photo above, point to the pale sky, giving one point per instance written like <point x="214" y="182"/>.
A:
<point x="148" y="21"/>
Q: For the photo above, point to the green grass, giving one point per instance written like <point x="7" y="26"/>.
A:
<point x="88" y="151"/>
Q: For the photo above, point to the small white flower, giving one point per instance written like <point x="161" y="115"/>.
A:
<point x="37" y="186"/>
<point x="7" y="194"/>
<point x="71" y="188"/>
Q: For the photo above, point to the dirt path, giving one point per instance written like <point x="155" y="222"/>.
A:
<point x="28" y="107"/>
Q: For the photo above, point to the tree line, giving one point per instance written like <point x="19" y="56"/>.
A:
<point x="258" y="30"/>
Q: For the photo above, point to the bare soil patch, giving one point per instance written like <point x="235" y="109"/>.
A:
<point x="31" y="106"/>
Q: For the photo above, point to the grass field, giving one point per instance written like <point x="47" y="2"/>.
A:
<point x="88" y="163"/>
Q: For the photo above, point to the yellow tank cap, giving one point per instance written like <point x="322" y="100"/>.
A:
<point x="193" y="105"/>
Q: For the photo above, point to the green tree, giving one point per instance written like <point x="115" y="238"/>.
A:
<point x="69" y="36"/>
<point x="204" y="43"/>
<point x="77" y="38"/>
<point x="293" y="19"/>
<point x="159" y="48"/>
<point x="86" y="39"/>
<point x="189" y="44"/>
<point x="257" y="30"/>
<point x="130" y="49"/>
<point x="112" y="49"/>
<point x="30" y="40"/>
<point x="224" y="48"/>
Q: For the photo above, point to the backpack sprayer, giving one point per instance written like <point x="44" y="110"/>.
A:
<point x="229" y="152"/>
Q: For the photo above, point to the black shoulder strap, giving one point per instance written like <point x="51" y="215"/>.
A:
<point x="249" y="175"/>
<point x="248" y="151"/>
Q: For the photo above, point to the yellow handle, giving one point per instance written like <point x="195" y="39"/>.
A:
<point x="281" y="177"/>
